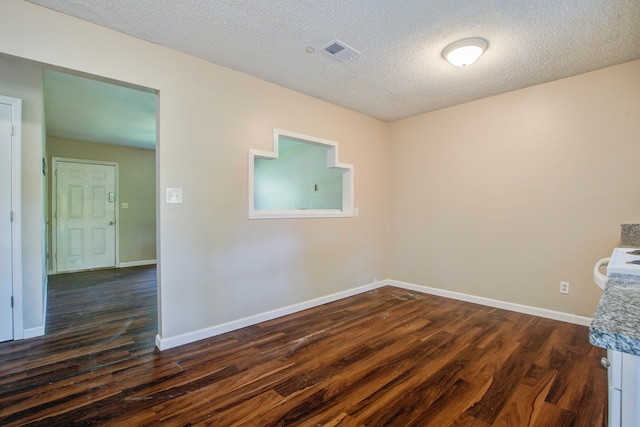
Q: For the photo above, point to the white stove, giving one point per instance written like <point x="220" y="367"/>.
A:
<point x="624" y="261"/>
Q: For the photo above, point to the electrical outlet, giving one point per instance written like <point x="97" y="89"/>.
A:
<point x="564" y="287"/>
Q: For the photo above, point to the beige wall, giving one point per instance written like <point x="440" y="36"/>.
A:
<point x="215" y="265"/>
<point x="24" y="81"/>
<point x="506" y="197"/>
<point x="137" y="178"/>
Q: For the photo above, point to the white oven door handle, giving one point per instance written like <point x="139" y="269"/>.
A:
<point x="599" y="278"/>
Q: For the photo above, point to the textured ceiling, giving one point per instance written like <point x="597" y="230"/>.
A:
<point x="400" y="72"/>
<point x="89" y="110"/>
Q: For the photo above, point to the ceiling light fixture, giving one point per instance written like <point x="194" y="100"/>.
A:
<point x="465" y="52"/>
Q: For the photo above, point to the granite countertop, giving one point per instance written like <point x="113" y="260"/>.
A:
<point x="616" y="324"/>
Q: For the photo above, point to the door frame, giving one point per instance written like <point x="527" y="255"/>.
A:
<point x="54" y="206"/>
<point x="16" y="209"/>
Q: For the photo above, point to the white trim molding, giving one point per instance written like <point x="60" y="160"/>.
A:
<point x="137" y="263"/>
<point x="518" y="308"/>
<point x="167" y="343"/>
<point x="34" y="332"/>
<point x="16" y="209"/>
<point x="347" y="209"/>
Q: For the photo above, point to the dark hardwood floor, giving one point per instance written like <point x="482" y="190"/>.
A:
<point x="389" y="357"/>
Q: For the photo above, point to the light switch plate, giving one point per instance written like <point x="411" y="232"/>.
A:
<point x="174" y="195"/>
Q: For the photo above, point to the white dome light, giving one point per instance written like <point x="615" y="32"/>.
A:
<point x="464" y="52"/>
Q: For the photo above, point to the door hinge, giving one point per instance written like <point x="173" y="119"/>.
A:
<point x="11" y="302"/>
<point x="11" y="130"/>
<point x="11" y="216"/>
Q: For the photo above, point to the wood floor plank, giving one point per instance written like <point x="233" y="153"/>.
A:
<point x="524" y="405"/>
<point x="343" y="420"/>
<point x="464" y="420"/>
<point x="389" y="357"/>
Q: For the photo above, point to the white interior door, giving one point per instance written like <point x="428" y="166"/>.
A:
<point x="85" y="216"/>
<point x="6" y="292"/>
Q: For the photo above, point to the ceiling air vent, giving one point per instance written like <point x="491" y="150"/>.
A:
<point x="340" y="51"/>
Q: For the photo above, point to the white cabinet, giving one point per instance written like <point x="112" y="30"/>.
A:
<point x="624" y="389"/>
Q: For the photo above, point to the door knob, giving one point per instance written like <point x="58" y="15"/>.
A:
<point x="605" y="363"/>
<point x="111" y="222"/>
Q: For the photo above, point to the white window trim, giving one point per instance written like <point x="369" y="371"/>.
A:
<point x="332" y="161"/>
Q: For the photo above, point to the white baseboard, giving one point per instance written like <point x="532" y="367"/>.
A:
<point x="518" y="308"/>
<point x="33" y="332"/>
<point x="136" y="263"/>
<point x="166" y="343"/>
<point x="118" y="265"/>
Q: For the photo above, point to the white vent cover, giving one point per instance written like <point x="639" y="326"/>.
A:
<point x="340" y="50"/>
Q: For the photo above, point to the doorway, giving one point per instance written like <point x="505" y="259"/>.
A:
<point x="84" y="200"/>
<point x="101" y="155"/>
<point x="44" y="132"/>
